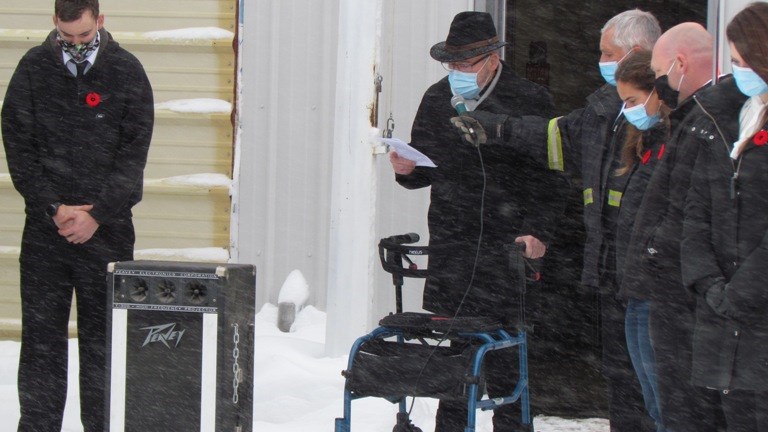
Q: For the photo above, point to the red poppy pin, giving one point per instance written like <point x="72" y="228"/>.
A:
<point x="646" y="157"/>
<point x="760" y="138"/>
<point x="93" y="99"/>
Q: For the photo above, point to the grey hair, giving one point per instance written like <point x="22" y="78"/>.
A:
<point x="634" y="28"/>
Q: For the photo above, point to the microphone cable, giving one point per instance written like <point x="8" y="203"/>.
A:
<point x="471" y="278"/>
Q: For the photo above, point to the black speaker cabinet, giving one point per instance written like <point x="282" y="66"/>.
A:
<point x="180" y="347"/>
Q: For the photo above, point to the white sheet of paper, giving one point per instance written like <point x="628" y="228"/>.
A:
<point x="404" y="150"/>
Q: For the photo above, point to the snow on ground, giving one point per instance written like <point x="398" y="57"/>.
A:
<point x="294" y="290"/>
<point x="297" y="388"/>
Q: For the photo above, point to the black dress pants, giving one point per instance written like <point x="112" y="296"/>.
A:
<point x="684" y="407"/>
<point x="51" y="270"/>
<point x="745" y="411"/>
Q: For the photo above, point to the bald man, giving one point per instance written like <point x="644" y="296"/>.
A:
<point x="682" y="60"/>
<point x="683" y="55"/>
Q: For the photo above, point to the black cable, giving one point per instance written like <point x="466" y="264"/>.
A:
<point x="471" y="278"/>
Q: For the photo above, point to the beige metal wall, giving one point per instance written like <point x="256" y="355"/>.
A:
<point x="176" y="217"/>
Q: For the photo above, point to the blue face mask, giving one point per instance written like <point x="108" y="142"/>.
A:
<point x="465" y="83"/>
<point x="748" y="81"/>
<point x="638" y="116"/>
<point x="608" y="69"/>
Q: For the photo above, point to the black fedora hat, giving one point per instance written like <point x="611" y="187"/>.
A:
<point x="471" y="34"/>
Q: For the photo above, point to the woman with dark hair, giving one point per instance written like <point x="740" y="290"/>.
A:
<point x="725" y="236"/>
<point x="636" y="153"/>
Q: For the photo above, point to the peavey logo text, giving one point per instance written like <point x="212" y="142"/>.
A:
<point x="164" y="333"/>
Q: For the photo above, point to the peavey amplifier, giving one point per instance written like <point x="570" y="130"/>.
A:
<point x="180" y="347"/>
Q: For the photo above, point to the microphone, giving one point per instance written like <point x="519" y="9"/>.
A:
<point x="403" y="238"/>
<point x="457" y="102"/>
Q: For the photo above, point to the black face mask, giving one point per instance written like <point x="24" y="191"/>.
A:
<point x="667" y="94"/>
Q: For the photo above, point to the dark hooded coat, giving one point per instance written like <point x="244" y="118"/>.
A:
<point x="725" y="247"/>
<point x="486" y="197"/>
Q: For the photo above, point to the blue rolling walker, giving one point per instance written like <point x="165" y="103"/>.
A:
<point x="397" y="360"/>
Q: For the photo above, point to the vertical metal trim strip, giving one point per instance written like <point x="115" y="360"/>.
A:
<point x="118" y="372"/>
<point x="208" y="373"/>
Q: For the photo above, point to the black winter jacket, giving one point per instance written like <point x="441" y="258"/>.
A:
<point x="78" y="140"/>
<point x="516" y="198"/>
<point x="635" y="183"/>
<point x="725" y="248"/>
<point x="652" y="268"/>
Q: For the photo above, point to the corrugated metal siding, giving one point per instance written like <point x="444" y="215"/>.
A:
<point x="288" y="73"/>
<point x="171" y="216"/>
<point x="288" y="88"/>
<point x="726" y="10"/>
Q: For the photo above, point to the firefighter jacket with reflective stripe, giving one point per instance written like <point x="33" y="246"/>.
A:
<point x="575" y="144"/>
<point x="580" y="142"/>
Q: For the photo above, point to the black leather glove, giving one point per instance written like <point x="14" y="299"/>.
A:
<point x="716" y="298"/>
<point x="492" y="123"/>
<point x="470" y="129"/>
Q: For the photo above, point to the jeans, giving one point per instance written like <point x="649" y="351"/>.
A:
<point x="641" y="353"/>
<point x="625" y="399"/>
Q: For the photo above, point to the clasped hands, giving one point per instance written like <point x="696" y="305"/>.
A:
<point x="75" y="223"/>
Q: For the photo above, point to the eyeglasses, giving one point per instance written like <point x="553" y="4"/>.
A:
<point x="462" y="66"/>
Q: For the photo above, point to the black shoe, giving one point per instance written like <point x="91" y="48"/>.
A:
<point x="404" y="424"/>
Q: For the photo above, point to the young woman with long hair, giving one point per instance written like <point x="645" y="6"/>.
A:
<point x="646" y="130"/>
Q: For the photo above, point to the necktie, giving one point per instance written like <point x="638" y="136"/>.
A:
<point x="81" y="68"/>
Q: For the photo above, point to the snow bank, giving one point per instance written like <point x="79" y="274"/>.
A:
<point x="295" y="289"/>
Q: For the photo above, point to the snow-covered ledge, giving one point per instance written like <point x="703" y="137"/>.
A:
<point x="209" y="254"/>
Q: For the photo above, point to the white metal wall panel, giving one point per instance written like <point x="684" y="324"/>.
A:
<point x="286" y="114"/>
<point x="351" y="255"/>
<point x="726" y="9"/>
<point x="288" y="72"/>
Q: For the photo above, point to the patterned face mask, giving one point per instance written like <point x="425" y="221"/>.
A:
<point x="78" y="52"/>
